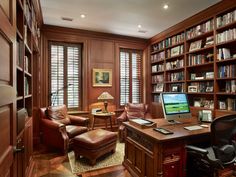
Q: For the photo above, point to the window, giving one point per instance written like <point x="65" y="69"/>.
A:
<point x="65" y="74"/>
<point x="130" y="76"/>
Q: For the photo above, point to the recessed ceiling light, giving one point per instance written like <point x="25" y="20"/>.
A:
<point x="139" y="26"/>
<point x="82" y="16"/>
<point x="67" y="18"/>
<point x="165" y="6"/>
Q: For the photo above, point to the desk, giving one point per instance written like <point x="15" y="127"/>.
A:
<point x="103" y="116"/>
<point x="151" y="154"/>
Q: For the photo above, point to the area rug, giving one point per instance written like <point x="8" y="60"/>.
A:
<point x="81" y="165"/>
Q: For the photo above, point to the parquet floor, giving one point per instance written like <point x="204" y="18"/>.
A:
<point x="49" y="164"/>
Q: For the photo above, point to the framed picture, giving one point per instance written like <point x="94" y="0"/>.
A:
<point x="192" y="88"/>
<point x="209" y="89"/>
<point x="175" y="51"/>
<point x="174" y="88"/>
<point x="159" y="87"/>
<point x="102" y="77"/>
<point x="195" y="45"/>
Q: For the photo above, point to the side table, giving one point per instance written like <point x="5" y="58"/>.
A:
<point x="104" y="116"/>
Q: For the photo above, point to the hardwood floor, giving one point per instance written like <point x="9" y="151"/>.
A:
<point x="56" y="165"/>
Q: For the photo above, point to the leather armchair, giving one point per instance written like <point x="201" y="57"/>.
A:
<point x="131" y="111"/>
<point x="59" y="128"/>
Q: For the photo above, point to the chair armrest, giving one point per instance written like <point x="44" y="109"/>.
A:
<point x="52" y="125"/>
<point x="122" y="117"/>
<point x="196" y="149"/>
<point x="78" y="120"/>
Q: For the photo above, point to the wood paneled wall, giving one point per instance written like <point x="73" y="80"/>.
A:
<point x="100" y="51"/>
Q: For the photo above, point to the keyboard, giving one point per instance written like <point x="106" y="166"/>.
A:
<point x="193" y="127"/>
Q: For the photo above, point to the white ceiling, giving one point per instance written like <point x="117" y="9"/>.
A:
<point x="121" y="16"/>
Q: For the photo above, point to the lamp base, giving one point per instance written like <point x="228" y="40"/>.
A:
<point x="105" y="106"/>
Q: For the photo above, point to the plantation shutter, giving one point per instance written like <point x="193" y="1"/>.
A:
<point x="130" y="76"/>
<point x="66" y="75"/>
<point x="136" y="77"/>
<point x="124" y="77"/>
<point x="57" y="74"/>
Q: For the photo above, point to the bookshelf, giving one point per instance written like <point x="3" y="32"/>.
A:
<point x="199" y="60"/>
<point x="26" y="46"/>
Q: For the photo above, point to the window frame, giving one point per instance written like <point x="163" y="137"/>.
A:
<point x="65" y="69"/>
<point x="131" y="51"/>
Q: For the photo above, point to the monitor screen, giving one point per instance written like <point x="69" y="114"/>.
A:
<point x="175" y="105"/>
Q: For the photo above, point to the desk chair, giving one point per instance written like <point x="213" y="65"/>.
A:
<point x="214" y="160"/>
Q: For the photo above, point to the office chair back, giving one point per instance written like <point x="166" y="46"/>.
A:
<point x="223" y="133"/>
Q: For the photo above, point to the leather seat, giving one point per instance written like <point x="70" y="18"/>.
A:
<point x="94" y="144"/>
<point x="58" y="128"/>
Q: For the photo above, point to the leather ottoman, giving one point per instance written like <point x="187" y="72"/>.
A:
<point x="94" y="144"/>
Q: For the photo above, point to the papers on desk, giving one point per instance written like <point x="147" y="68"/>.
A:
<point x="142" y="123"/>
<point x="193" y="127"/>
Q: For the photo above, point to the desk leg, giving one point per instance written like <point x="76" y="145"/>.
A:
<point x="106" y="124"/>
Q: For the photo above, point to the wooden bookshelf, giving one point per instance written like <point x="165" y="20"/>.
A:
<point x="209" y="60"/>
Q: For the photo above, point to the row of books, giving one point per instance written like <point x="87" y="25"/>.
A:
<point x="230" y="86"/>
<point x="202" y="75"/>
<point x="227" y="71"/>
<point x="26" y="86"/>
<point x="223" y="53"/>
<point x="158" y="56"/>
<point x="175" y="64"/>
<point x="200" y="29"/>
<point x="228" y="104"/>
<point x="225" y="36"/>
<point x="26" y="64"/>
<point x="157" y="68"/>
<point x="226" y="19"/>
<point x="195" y="59"/>
<point x="158" y="78"/>
<point x="19" y="53"/>
<point x="178" y="50"/>
<point x="158" y="46"/>
<point x="175" y="39"/>
<point x="203" y="102"/>
<point x="178" y="76"/>
<point x="28" y="15"/>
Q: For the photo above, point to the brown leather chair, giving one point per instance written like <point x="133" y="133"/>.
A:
<point x="59" y="128"/>
<point x="132" y="110"/>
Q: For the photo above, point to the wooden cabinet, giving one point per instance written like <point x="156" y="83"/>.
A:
<point x="198" y="58"/>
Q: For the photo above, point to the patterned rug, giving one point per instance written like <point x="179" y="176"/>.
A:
<point x="81" y="165"/>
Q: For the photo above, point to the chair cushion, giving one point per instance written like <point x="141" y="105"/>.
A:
<point x="58" y="114"/>
<point x="95" y="139"/>
<point x="74" y="130"/>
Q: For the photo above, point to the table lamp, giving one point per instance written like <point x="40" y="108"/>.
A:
<point x="105" y="96"/>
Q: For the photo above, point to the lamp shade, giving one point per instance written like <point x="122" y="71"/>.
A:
<point x="105" y="96"/>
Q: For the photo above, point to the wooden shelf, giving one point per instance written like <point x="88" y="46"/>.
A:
<point x="159" y="61"/>
<point x="158" y="72"/>
<point x="201" y="50"/>
<point x="28" y="74"/>
<point x="28" y="96"/>
<point x="175" y="45"/>
<point x="200" y="93"/>
<point x="201" y="36"/>
<point x="19" y="34"/>
<point x="200" y="80"/>
<point x="176" y="69"/>
<point x="27" y="48"/>
<point x="19" y="98"/>
<point x="226" y="60"/>
<point x="226" y="78"/>
<point x="225" y="93"/>
<point x="200" y="65"/>
<point x="156" y="92"/>
<point x="19" y="68"/>
<point x="158" y="51"/>
<point x="173" y="57"/>
<point x="172" y="82"/>
<point x="225" y="27"/>
<point x="226" y="43"/>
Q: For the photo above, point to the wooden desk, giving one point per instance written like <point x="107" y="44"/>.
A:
<point x="149" y="153"/>
<point x="103" y="116"/>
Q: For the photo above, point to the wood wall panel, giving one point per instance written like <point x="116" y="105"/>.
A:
<point x="5" y="4"/>
<point x="5" y="56"/>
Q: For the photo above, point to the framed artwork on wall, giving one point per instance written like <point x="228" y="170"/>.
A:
<point x="102" y="77"/>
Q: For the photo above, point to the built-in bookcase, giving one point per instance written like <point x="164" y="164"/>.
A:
<point x="201" y="61"/>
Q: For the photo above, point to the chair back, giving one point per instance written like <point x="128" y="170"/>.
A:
<point x="135" y="110"/>
<point x="223" y="132"/>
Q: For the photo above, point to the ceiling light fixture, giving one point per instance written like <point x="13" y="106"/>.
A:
<point x="139" y="26"/>
<point x="165" y="6"/>
<point x="82" y="16"/>
<point x="67" y="19"/>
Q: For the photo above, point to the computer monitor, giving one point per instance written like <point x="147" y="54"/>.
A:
<point x="175" y="106"/>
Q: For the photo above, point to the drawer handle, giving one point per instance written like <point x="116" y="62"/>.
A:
<point x="17" y="150"/>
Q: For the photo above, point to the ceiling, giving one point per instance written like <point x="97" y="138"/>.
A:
<point x="121" y="16"/>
